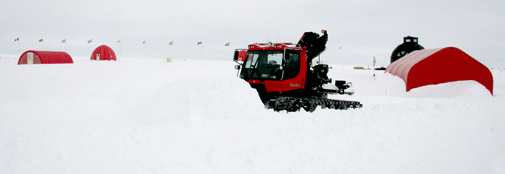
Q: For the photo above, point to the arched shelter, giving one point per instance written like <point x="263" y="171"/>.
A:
<point x="44" y="57"/>
<point x="435" y="66"/>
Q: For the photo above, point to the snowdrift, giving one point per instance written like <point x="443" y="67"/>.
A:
<point x="148" y="116"/>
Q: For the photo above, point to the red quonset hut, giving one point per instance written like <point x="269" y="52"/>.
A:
<point x="44" y="57"/>
<point x="103" y="52"/>
<point x="442" y="65"/>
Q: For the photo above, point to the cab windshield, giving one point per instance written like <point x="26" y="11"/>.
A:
<point x="263" y="65"/>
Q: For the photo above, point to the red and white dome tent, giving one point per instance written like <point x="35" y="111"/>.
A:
<point x="103" y="52"/>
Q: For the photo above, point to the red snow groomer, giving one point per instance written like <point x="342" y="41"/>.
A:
<point x="284" y="78"/>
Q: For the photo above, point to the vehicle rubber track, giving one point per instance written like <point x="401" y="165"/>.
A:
<point x="293" y="104"/>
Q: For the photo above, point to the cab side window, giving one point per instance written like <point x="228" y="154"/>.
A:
<point x="292" y="67"/>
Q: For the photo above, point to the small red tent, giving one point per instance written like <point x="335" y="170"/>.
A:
<point x="435" y="66"/>
<point x="103" y="52"/>
<point x="44" y="57"/>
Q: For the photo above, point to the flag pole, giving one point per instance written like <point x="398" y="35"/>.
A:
<point x="118" y="57"/>
<point x="343" y="59"/>
<point x="19" y="45"/>
<point x="373" y="67"/>
<point x="201" y="49"/>
<point x="42" y="40"/>
<point x="171" y="43"/>
<point x="92" y="46"/>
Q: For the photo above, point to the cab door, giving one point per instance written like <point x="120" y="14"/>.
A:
<point x="271" y="70"/>
<point x="294" y="69"/>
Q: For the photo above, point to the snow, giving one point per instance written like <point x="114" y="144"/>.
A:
<point x="149" y="116"/>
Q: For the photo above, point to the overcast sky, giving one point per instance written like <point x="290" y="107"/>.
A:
<point x="358" y="30"/>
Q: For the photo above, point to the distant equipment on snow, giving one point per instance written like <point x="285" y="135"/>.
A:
<point x="44" y="57"/>
<point x="409" y="44"/>
<point x="170" y="60"/>
<point x="103" y="52"/>
<point x="442" y="65"/>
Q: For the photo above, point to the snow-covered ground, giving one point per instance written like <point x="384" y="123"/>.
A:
<point x="148" y="116"/>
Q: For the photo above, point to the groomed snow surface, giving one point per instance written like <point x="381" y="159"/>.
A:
<point x="149" y="116"/>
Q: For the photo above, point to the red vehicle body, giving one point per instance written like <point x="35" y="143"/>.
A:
<point x="282" y="85"/>
<point x="278" y="69"/>
<point x="240" y="55"/>
<point x="283" y="76"/>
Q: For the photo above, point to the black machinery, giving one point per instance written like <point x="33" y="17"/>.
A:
<point x="409" y="44"/>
